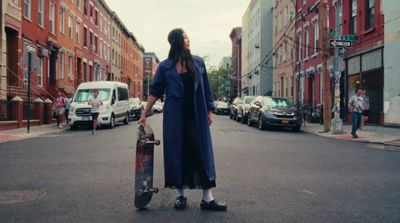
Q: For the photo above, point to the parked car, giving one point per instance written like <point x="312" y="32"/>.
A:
<point x="243" y="109"/>
<point x="144" y="103"/>
<point x="115" y="108"/>
<point x="234" y="108"/>
<point x="135" y="109"/>
<point x="221" y="107"/>
<point x="158" y="107"/>
<point x="269" y="112"/>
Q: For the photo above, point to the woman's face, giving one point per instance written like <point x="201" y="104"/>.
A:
<point x="186" y="42"/>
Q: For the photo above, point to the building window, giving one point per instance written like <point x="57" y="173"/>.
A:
<point x="70" y="22"/>
<point x="84" y="36"/>
<point x="316" y="37"/>
<point x="307" y="42"/>
<point x="70" y="65"/>
<point x="62" y="20"/>
<point x="27" y="9"/>
<point x="78" y="32"/>
<point x="91" y="40"/>
<point x="353" y="18"/>
<point x="101" y="50"/>
<point x="370" y="14"/>
<point x="40" y="72"/>
<point x="78" y="4"/>
<point x="52" y="18"/>
<point x="96" y="17"/>
<point x="41" y="13"/>
<point x="300" y="46"/>
<point x="62" y="64"/>
<point x="95" y="44"/>
<point x="85" y="7"/>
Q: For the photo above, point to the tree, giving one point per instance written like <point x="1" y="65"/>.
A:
<point x="219" y="79"/>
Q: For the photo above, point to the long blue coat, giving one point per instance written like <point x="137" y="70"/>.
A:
<point x="168" y="80"/>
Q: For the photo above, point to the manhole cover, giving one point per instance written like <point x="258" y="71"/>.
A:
<point x="18" y="196"/>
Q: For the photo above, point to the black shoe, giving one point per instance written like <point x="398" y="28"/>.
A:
<point x="180" y="203"/>
<point x="355" y="136"/>
<point x="213" y="206"/>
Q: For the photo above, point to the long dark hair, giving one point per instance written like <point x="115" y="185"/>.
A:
<point x="178" y="52"/>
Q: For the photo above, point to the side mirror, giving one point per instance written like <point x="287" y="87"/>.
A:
<point x="258" y="104"/>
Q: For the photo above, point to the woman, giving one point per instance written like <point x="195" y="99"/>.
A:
<point x="188" y="152"/>
<point x="59" y="105"/>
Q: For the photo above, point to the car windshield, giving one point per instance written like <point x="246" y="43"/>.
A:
<point x="248" y="100"/>
<point x="221" y="103"/>
<point x="84" y="95"/>
<point x="277" y="102"/>
<point x="134" y="101"/>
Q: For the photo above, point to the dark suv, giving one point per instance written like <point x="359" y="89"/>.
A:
<point x="270" y="112"/>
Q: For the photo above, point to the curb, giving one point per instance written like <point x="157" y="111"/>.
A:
<point x="354" y="140"/>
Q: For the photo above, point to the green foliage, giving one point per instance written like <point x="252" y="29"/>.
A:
<point x="219" y="82"/>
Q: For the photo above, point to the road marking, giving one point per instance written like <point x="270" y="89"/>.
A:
<point x="309" y="192"/>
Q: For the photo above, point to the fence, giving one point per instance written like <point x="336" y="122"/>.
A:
<point x="25" y="111"/>
<point x="5" y="110"/>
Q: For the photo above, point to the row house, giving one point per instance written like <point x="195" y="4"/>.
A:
<point x="308" y="57"/>
<point x="137" y="67"/>
<point x="10" y="34"/>
<point x="283" y="41"/>
<point x="364" y="61"/>
<point x="256" y="75"/>
<point x="150" y="61"/>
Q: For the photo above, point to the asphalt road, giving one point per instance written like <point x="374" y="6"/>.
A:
<point x="264" y="176"/>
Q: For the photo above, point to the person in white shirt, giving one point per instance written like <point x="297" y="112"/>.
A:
<point x="95" y="102"/>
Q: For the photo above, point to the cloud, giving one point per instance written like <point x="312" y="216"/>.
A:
<point x="207" y="22"/>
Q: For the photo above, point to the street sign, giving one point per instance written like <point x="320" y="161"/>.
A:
<point x="347" y="37"/>
<point x="339" y="43"/>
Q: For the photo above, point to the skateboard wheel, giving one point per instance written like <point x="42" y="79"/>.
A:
<point x="157" y="142"/>
<point x="155" y="190"/>
<point x="142" y="142"/>
<point x="140" y="192"/>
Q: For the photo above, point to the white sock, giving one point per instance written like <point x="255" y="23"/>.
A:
<point x="207" y="195"/>
<point x="181" y="192"/>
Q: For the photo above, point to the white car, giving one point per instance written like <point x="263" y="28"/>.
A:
<point x="115" y="96"/>
<point x="158" y="107"/>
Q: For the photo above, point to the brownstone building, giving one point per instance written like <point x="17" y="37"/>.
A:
<point x="236" y="38"/>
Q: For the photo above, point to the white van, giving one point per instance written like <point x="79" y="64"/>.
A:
<point x="115" y="96"/>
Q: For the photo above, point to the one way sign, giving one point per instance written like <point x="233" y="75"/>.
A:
<point x="339" y="43"/>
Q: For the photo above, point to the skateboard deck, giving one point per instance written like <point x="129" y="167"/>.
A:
<point x="144" y="166"/>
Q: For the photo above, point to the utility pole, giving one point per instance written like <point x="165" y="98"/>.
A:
<point x="337" y="123"/>
<point x="325" y="55"/>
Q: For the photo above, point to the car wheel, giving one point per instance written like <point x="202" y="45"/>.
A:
<point x="248" y="120"/>
<point x="297" y="128"/>
<point x="126" y="120"/>
<point x="260" y="123"/>
<point x="112" y="122"/>
<point x="73" y="127"/>
<point x="243" y="119"/>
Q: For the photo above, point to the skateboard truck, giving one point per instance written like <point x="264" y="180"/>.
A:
<point x="147" y="190"/>
<point x="146" y="142"/>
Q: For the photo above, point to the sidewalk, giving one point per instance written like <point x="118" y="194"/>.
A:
<point x="21" y="133"/>
<point x="373" y="134"/>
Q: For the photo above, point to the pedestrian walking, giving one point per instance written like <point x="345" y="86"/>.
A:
<point x="356" y="107"/>
<point x="68" y="106"/>
<point x="365" y="113"/>
<point x="59" y="108"/>
<point x="188" y="151"/>
<point x="95" y="102"/>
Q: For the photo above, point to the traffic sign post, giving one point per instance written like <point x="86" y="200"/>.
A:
<point x="335" y="43"/>
<point x="29" y="51"/>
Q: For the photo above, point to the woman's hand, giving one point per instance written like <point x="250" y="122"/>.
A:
<point x="210" y="121"/>
<point x="142" y="120"/>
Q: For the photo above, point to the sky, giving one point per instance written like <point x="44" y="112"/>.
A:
<point x="208" y="23"/>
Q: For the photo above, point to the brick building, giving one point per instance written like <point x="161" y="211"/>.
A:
<point x="364" y="60"/>
<point x="236" y="38"/>
<point x="284" y="25"/>
<point x="150" y="61"/>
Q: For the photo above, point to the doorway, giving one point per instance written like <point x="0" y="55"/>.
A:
<point x="53" y="68"/>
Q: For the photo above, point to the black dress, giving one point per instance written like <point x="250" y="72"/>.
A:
<point x="194" y="174"/>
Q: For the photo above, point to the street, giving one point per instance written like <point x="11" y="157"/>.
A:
<point x="263" y="176"/>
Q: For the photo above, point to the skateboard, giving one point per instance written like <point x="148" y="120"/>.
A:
<point x="144" y="166"/>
